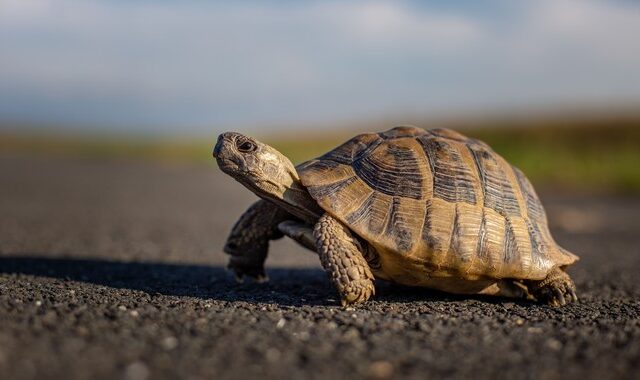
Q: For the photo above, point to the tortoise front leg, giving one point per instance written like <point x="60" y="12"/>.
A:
<point x="342" y="258"/>
<point x="248" y="241"/>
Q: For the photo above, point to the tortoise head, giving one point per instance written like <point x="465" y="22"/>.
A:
<point x="259" y="167"/>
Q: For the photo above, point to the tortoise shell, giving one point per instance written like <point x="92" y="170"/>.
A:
<point x="448" y="203"/>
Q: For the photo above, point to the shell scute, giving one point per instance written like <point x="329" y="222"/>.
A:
<point x="449" y="134"/>
<point x="393" y="169"/>
<point x="499" y="193"/>
<point x="352" y="149"/>
<point x="453" y="178"/>
<point x="403" y="131"/>
<point x="403" y="226"/>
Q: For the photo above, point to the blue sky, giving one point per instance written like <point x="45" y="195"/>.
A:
<point x="201" y="66"/>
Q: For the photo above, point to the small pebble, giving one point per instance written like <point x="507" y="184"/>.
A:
<point x="169" y="343"/>
<point x="352" y="334"/>
<point x="381" y="369"/>
<point x="136" y="371"/>
<point x="554" y="344"/>
<point x="272" y="355"/>
<point x="82" y="331"/>
<point x="122" y="308"/>
<point x="281" y="323"/>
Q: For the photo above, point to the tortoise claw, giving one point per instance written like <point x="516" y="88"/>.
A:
<point x="261" y="278"/>
<point x="560" y="297"/>
<point x="574" y="296"/>
<point x="357" y="293"/>
<point x="242" y="270"/>
<point x="556" y="290"/>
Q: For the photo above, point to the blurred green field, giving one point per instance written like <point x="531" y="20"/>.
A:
<point x="601" y="155"/>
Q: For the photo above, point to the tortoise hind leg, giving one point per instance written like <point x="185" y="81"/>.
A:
<point x="557" y="289"/>
<point x="342" y="258"/>
<point x="510" y="288"/>
<point x="299" y="232"/>
<point x="248" y="242"/>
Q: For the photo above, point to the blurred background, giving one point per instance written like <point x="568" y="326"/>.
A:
<point x="554" y="85"/>
<point x="113" y="213"/>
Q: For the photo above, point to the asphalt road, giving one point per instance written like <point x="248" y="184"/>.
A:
<point x="114" y="270"/>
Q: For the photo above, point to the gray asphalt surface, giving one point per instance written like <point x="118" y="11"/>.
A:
<point x="114" y="270"/>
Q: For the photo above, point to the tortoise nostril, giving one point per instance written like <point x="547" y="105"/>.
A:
<point x="217" y="149"/>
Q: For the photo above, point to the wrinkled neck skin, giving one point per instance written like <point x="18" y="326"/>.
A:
<point x="276" y="180"/>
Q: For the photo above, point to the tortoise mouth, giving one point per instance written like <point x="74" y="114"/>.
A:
<point x="231" y="167"/>
<point x="226" y="156"/>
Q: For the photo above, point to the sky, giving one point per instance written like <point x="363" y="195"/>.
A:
<point x="200" y="66"/>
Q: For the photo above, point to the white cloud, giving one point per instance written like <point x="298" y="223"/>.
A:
<point x="123" y="62"/>
<point x="396" y="26"/>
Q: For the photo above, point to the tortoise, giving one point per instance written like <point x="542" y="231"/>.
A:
<point x="429" y="208"/>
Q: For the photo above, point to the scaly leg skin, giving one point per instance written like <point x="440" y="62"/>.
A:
<point x="342" y="258"/>
<point x="248" y="241"/>
<point x="557" y="289"/>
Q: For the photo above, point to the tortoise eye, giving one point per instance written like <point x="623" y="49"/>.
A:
<point x="246" y="147"/>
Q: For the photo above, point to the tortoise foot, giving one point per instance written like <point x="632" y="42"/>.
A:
<point x="242" y="267"/>
<point x="357" y="292"/>
<point x="556" y="290"/>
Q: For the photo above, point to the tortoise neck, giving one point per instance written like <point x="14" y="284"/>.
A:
<point x="292" y="196"/>
<point x="298" y="202"/>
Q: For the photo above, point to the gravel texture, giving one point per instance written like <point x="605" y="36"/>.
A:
<point x="114" y="270"/>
